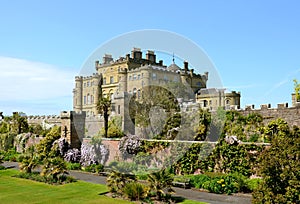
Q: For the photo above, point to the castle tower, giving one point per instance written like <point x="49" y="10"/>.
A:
<point x="73" y="127"/>
<point x="185" y="76"/>
<point x="77" y="94"/>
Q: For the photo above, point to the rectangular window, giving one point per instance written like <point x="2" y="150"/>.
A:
<point x="111" y="80"/>
<point x="130" y="78"/>
<point x="104" y="81"/>
<point x="84" y="100"/>
<point x="119" y="109"/>
<point x="84" y="85"/>
<point x="139" y="76"/>
<point x="153" y="76"/>
<point x="134" y="77"/>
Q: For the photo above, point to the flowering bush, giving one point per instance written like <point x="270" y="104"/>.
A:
<point x="93" y="154"/>
<point x="72" y="155"/>
<point x="129" y="145"/>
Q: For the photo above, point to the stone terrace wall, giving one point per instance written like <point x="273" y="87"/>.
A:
<point x="290" y="114"/>
<point x="93" y="124"/>
<point x="112" y="145"/>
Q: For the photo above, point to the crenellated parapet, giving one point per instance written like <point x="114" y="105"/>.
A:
<point x="42" y="119"/>
<point x="290" y="114"/>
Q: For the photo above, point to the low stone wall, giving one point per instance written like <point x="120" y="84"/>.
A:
<point x="112" y="145"/>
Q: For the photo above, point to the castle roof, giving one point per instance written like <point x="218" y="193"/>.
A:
<point x="173" y="67"/>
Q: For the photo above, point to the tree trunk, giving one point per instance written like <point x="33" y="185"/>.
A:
<point x="105" y="123"/>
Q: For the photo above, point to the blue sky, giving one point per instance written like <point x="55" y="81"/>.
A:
<point x="254" y="45"/>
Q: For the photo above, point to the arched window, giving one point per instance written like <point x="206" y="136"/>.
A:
<point x="227" y="101"/>
<point x="139" y="93"/>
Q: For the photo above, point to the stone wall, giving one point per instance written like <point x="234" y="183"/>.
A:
<point x="73" y="127"/>
<point x="50" y="119"/>
<point x="112" y="145"/>
<point x="93" y="124"/>
<point x="290" y="114"/>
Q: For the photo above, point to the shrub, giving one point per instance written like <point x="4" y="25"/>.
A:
<point x="252" y="184"/>
<point x="280" y="166"/>
<point x="73" y="166"/>
<point x="142" y="176"/>
<point x="7" y="141"/>
<point x="135" y="191"/>
<point x="221" y="183"/>
<point x="10" y="155"/>
<point x="94" y="168"/>
<point x="198" y="180"/>
<point x="127" y="167"/>
<point x="35" y="176"/>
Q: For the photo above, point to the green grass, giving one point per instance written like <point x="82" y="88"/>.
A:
<point x="16" y="190"/>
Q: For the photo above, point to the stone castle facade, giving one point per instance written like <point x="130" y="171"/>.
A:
<point x="128" y="76"/>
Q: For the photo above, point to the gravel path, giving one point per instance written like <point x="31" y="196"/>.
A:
<point x="191" y="194"/>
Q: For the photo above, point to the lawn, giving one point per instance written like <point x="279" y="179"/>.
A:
<point x="16" y="190"/>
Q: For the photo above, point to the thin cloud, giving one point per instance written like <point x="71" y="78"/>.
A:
<point x="288" y="79"/>
<point x="28" y="80"/>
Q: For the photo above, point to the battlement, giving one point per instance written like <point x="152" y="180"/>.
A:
<point x="280" y="106"/>
<point x="290" y="114"/>
<point x="42" y="117"/>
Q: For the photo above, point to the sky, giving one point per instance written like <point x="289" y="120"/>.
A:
<point x="254" y="45"/>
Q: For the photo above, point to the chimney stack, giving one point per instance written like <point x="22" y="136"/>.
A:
<point x="151" y="56"/>
<point x="186" y="66"/>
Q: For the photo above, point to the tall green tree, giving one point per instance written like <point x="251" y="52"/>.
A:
<point x="29" y="160"/>
<point x="104" y="106"/>
<point x="280" y="167"/>
<point x="19" y="123"/>
<point x="154" y="99"/>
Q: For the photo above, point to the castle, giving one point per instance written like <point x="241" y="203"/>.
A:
<point x="127" y="76"/>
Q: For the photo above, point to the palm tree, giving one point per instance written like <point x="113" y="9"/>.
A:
<point x="160" y="181"/>
<point x="103" y="107"/>
<point x="116" y="181"/>
<point x="54" y="167"/>
<point x="29" y="160"/>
